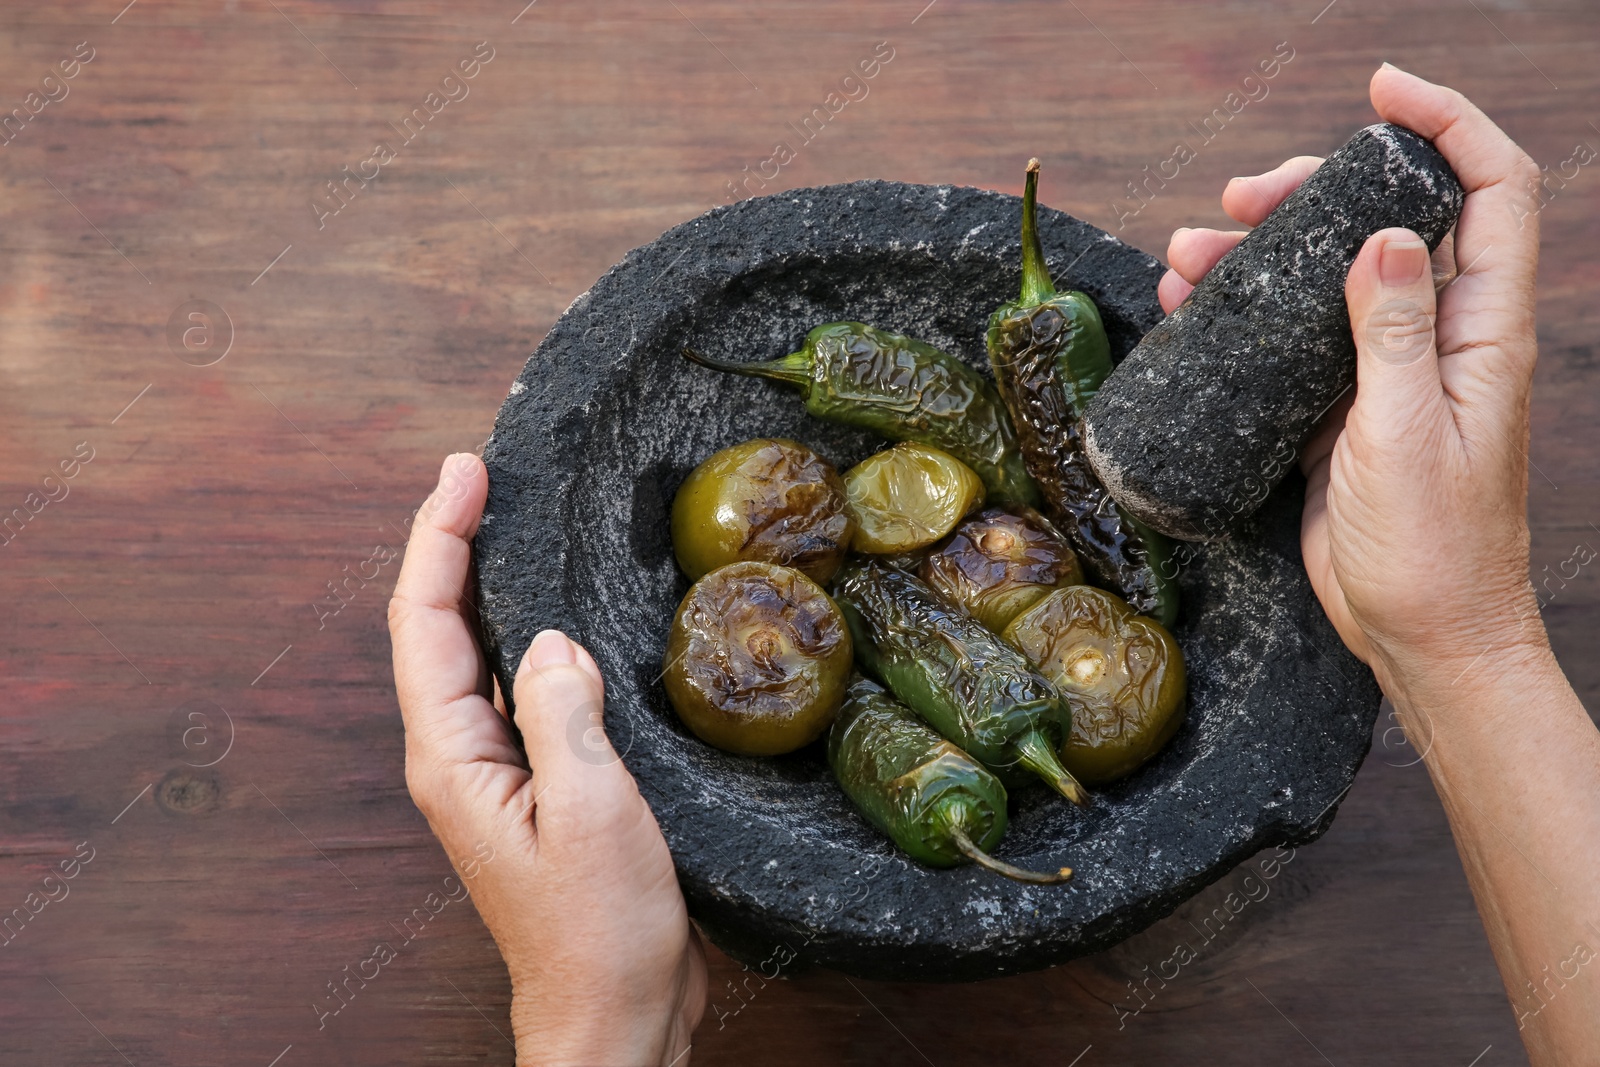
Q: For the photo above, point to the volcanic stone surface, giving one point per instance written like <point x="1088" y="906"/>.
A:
<point x="1210" y="410"/>
<point x="606" y="420"/>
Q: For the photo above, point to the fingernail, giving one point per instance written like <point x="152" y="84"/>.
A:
<point x="1402" y="263"/>
<point x="1180" y="231"/>
<point x="550" y="648"/>
<point x="1388" y="66"/>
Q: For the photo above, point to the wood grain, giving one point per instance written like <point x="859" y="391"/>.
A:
<point x="182" y="569"/>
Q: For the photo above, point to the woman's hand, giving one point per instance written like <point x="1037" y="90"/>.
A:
<point x="1416" y="539"/>
<point x="1415" y="533"/>
<point x="563" y="857"/>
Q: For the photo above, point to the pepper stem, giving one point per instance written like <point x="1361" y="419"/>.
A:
<point x="958" y="834"/>
<point x="1035" y="753"/>
<point x="794" y="368"/>
<point x="1036" y="284"/>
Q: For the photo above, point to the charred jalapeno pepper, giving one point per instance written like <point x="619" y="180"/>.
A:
<point x="905" y="390"/>
<point x="964" y="681"/>
<point x="997" y="565"/>
<point x="907" y="497"/>
<point x="1049" y="354"/>
<point x="941" y="806"/>
<point x="769" y="499"/>
<point x="757" y="659"/>
<point x="1123" y="674"/>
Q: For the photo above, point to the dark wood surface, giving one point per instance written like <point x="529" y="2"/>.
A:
<point x="182" y="570"/>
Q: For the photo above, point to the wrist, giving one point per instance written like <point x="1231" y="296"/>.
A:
<point x="595" y="1029"/>
<point x="1440" y="655"/>
<point x="1497" y="680"/>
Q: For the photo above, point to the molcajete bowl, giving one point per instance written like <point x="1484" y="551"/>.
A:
<point x="607" y="419"/>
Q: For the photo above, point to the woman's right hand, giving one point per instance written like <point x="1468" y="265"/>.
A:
<point x="1416" y="539"/>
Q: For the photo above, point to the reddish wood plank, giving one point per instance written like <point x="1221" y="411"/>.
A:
<point x="188" y="556"/>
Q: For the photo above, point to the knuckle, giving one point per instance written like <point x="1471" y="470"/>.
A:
<point x="577" y="811"/>
<point x="422" y="783"/>
<point x="563" y="682"/>
<point x="1525" y="171"/>
<point x="399" y="612"/>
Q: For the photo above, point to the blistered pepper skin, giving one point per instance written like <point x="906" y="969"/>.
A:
<point x="908" y="781"/>
<point x="904" y="390"/>
<point x="941" y="806"/>
<point x="1049" y="354"/>
<point x="970" y="686"/>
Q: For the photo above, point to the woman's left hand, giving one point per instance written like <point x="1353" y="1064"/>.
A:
<point x="562" y="855"/>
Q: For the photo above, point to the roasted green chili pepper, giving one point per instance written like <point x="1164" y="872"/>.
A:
<point x="941" y="806"/>
<point x="965" y="682"/>
<point x="1123" y="674"/>
<point x="1050" y="354"/>
<point x="905" y="390"/>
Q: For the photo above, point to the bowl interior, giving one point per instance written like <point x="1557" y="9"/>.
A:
<point x="683" y="413"/>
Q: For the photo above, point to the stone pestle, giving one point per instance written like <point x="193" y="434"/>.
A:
<point x="1209" y="412"/>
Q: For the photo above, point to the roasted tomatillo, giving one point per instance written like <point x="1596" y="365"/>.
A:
<point x="769" y="499"/>
<point x="996" y="565"/>
<point x="908" y="496"/>
<point x="1122" y="673"/>
<point x="941" y="806"/>
<point x="757" y="660"/>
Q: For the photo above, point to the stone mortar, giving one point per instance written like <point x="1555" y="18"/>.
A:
<point x="605" y="421"/>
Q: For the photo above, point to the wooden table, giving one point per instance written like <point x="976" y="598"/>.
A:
<point x="169" y="604"/>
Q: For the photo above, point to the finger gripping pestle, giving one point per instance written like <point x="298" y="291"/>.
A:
<point x="1208" y="413"/>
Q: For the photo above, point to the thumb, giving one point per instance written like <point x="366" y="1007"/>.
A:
<point x="560" y="703"/>
<point x="1389" y="294"/>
